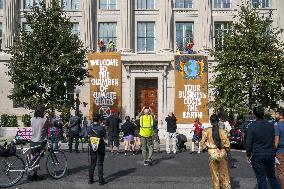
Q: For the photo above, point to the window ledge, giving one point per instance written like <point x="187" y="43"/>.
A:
<point x="109" y="9"/>
<point x="184" y="9"/>
<point x="224" y="9"/>
<point x="146" y="9"/>
<point x="146" y="52"/>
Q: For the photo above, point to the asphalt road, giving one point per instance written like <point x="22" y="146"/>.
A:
<point x="168" y="172"/>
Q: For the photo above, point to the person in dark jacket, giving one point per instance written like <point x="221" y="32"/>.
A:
<point x="171" y="132"/>
<point x="74" y="130"/>
<point x="260" y="150"/>
<point x="97" y="149"/>
<point x="113" y="122"/>
<point x="128" y="129"/>
<point x="137" y="142"/>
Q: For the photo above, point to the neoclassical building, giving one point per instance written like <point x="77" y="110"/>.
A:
<point x="147" y="32"/>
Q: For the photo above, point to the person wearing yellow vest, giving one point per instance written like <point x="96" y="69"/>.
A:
<point x="146" y="133"/>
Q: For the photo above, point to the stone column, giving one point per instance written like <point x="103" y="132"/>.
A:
<point x="205" y="25"/>
<point x="10" y="23"/>
<point x="166" y="25"/>
<point x="88" y="9"/>
<point x="126" y="21"/>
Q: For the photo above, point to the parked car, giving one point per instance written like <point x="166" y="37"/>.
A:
<point x="238" y="134"/>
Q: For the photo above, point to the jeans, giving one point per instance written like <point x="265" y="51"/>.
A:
<point x="147" y="148"/>
<point x="72" y="136"/>
<point x="264" y="167"/>
<point x="97" y="157"/>
<point x="171" y="138"/>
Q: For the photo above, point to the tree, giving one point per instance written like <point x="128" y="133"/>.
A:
<point x="48" y="61"/>
<point x="250" y="65"/>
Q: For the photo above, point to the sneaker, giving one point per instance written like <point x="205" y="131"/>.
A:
<point x="149" y="162"/>
<point x="91" y="181"/>
<point x="125" y="154"/>
<point x="146" y="163"/>
<point x="77" y="151"/>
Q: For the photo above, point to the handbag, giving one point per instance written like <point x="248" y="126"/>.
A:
<point x="8" y="150"/>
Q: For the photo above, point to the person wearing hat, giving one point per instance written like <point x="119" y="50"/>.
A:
<point x="113" y="122"/>
<point x="146" y="133"/>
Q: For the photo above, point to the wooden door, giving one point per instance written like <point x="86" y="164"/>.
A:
<point x="146" y="94"/>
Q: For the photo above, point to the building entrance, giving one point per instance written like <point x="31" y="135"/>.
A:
<point x="146" y="95"/>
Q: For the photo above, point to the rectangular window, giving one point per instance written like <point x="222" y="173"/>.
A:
<point x="30" y="3"/>
<point x="71" y="4"/>
<point x="222" y="4"/>
<point x="183" y="4"/>
<point x="260" y="3"/>
<point x="108" y="4"/>
<point x="76" y="28"/>
<point x="1" y="4"/>
<point x="146" y="37"/>
<point x="145" y="4"/>
<point x="107" y="33"/>
<point x="27" y="27"/>
<point x="184" y="35"/>
<point x="220" y="28"/>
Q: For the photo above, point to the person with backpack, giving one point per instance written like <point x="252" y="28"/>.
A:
<point x="128" y="132"/>
<point x="96" y="133"/>
<point x="54" y="134"/>
<point x="197" y="135"/>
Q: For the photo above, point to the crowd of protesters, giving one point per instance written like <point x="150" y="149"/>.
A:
<point x="264" y="141"/>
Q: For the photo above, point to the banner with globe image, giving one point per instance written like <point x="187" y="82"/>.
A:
<point x="191" y="88"/>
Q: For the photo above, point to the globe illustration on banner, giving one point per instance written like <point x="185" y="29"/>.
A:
<point x="191" y="68"/>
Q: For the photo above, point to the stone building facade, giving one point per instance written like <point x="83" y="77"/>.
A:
<point x="147" y="33"/>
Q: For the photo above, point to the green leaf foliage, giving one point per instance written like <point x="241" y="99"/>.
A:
<point x="47" y="61"/>
<point x="250" y="65"/>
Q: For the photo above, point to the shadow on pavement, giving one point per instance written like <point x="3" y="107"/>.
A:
<point x="235" y="184"/>
<point x="119" y="174"/>
<point x="164" y="157"/>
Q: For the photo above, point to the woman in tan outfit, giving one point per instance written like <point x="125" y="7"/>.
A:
<point x="217" y="143"/>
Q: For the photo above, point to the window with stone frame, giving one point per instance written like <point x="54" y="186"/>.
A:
<point x="75" y="28"/>
<point x="26" y="27"/>
<point x="184" y="34"/>
<point x="146" y="37"/>
<point x="221" y="28"/>
<point x="107" y="33"/>
<point x="108" y="4"/>
<point x="183" y="4"/>
<point x="261" y="3"/>
<point x="222" y="4"/>
<point x="71" y="4"/>
<point x="1" y="4"/>
<point x="30" y="3"/>
<point x="145" y="4"/>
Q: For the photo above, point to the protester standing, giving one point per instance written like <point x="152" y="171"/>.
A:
<point x="279" y="145"/>
<point x="74" y="130"/>
<point x="216" y="141"/>
<point x="146" y="133"/>
<point x="96" y="132"/>
<point x="171" y="133"/>
<point x="137" y="142"/>
<point x="224" y="124"/>
<point x="40" y="125"/>
<point x="113" y="122"/>
<point x="260" y="149"/>
<point x="128" y="132"/>
<point x="197" y="135"/>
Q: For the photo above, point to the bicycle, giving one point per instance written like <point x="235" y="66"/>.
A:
<point x="13" y="167"/>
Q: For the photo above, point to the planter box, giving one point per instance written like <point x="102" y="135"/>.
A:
<point x="8" y="131"/>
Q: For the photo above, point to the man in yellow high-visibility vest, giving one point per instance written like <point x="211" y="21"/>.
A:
<point x="146" y="133"/>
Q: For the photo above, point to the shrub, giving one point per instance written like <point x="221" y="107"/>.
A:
<point x="8" y="121"/>
<point x="26" y="119"/>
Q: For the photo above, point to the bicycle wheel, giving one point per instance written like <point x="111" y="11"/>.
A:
<point x="11" y="170"/>
<point x="56" y="164"/>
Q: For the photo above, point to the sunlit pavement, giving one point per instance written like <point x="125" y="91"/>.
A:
<point x="168" y="171"/>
